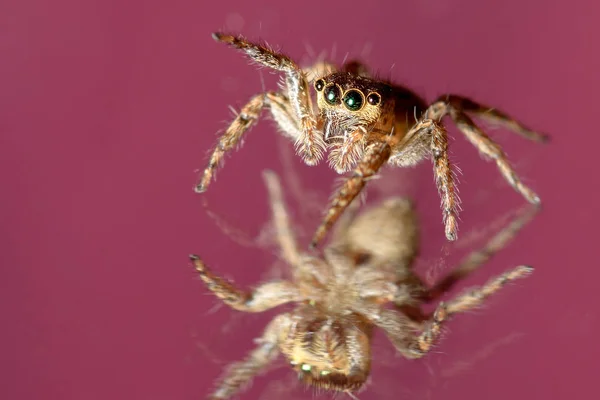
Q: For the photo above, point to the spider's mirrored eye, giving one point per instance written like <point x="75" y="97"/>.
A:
<point x="374" y="98"/>
<point x="333" y="94"/>
<point x="354" y="100"/>
<point x="306" y="367"/>
<point x="319" y="85"/>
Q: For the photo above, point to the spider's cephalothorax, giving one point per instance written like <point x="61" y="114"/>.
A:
<point x="323" y="349"/>
<point x="342" y="296"/>
<point x="356" y="111"/>
<point x="364" y="123"/>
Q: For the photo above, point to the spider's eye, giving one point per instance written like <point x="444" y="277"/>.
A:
<point x="319" y="85"/>
<point x="306" y="367"/>
<point x="333" y="94"/>
<point x="374" y="99"/>
<point x="353" y="99"/>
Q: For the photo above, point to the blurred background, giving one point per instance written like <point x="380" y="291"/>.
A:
<point x="108" y="110"/>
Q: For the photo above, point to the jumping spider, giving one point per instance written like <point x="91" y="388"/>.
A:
<point x="341" y="297"/>
<point x="364" y="123"/>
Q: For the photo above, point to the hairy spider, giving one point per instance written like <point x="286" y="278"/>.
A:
<point x="364" y="123"/>
<point x="341" y="297"/>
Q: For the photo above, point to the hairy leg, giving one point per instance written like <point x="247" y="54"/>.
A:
<point x="285" y="236"/>
<point x="264" y="297"/>
<point x="247" y="118"/>
<point x="429" y="137"/>
<point x="478" y="257"/>
<point x="453" y="106"/>
<point x="413" y="345"/>
<point x="240" y="374"/>
<point x="375" y="156"/>
<point x="493" y="116"/>
<point x="310" y="144"/>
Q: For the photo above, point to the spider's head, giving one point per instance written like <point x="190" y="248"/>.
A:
<point x="329" y="353"/>
<point x="350" y="108"/>
<point x="347" y="101"/>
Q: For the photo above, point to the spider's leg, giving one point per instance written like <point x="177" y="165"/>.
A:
<point x="240" y="374"/>
<point x="318" y="70"/>
<point x="416" y="346"/>
<point x="345" y="221"/>
<point x="247" y="118"/>
<point x="310" y="145"/>
<point x="478" y="257"/>
<point x="264" y="297"/>
<point x="375" y="156"/>
<point x="356" y="67"/>
<point x="486" y="146"/>
<point x="493" y="116"/>
<point x="430" y="137"/>
<point x="285" y="235"/>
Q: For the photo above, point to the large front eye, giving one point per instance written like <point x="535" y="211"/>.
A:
<point x="333" y="94"/>
<point x="354" y="100"/>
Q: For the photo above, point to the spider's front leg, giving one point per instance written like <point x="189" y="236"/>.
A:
<point x="310" y="145"/>
<point x="247" y="117"/>
<point x="264" y="297"/>
<point x="375" y="156"/>
<point x="240" y="374"/>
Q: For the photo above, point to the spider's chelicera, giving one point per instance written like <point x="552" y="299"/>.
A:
<point x="364" y="123"/>
<point x="364" y="280"/>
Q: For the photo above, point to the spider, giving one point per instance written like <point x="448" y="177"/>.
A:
<point x="341" y="296"/>
<point x="364" y="122"/>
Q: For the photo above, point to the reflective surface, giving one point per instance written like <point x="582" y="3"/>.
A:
<point x="107" y="110"/>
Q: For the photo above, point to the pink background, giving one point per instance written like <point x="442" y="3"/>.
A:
<point x="108" y="108"/>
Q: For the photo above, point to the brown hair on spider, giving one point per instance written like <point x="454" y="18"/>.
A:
<point x="363" y="123"/>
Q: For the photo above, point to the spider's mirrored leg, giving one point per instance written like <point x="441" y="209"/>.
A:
<point x="285" y="235"/>
<point x="264" y="297"/>
<point x="423" y="343"/>
<point x="478" y="257"/>
<point x="345" y="221"/>
<point x="486" y="146"/>
<point x="375" y="156"/>
<point x="310" y="144"/>
<point x="240" y="374"/>
<point x="247" y="118"/>
<point x="399" y="329"/>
